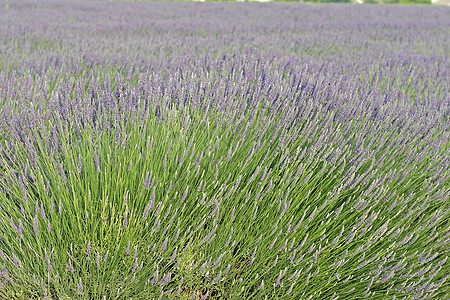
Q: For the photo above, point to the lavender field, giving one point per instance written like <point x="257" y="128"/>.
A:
<point x="224" y="151"/>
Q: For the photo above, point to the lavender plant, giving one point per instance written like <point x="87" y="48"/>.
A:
<point x="223" y="151"/>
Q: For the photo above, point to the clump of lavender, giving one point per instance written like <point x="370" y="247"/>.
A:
<point x="206" y="155"/>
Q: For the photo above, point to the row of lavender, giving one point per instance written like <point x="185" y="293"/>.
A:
<point x="238" y="150"/>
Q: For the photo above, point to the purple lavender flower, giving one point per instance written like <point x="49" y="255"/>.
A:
<point x="146" y="184"/>
<point x="19" y="229"/>
<point x="98" y="260"/>
<point x="185" y="194"/>
<point x="71" y="266"/>
<point x="80" y="164"/>
<point x="24" y="192"/>
<point x="135" y="265"/>
<point x="15" y="260"/>
<point x="52" y="205"/>
<point x="166" y="279"/>
<point x="13" y="225"/>
<point x="155" y="278"/>
<point x="127" y="250"/>
<point x="174" y="254"/>
<point x="157" y="210"/>
<point x="88" y="250"/>
<point x="80" y="288"/>
<point x="96" y="160"/>
<point x="47" y="259"/>
<point x="35" y="225"/>
<point x="42" y="211"/>
<point x="152" y="198"/>
<point x="63" y="174"/>
<point x="47" y="188"/>
<point x="106" y="255"/>
<point x="164" y="245"/>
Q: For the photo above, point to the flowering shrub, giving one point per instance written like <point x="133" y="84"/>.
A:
<point x="223" y="151"/>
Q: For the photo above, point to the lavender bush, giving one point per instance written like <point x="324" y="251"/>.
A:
<point x="223" y="151"/>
